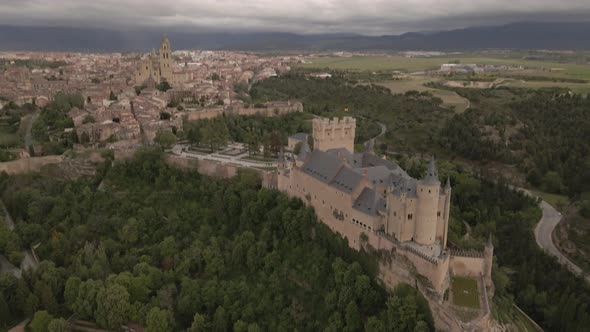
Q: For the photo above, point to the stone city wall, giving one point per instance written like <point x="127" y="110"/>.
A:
<point x="32" y="164"/>
<point x="270" y="110"/>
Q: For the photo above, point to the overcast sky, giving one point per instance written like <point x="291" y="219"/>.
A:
<point x="374" y="17"/>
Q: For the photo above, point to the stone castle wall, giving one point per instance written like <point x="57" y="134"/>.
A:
<point x="32" y="164"/>
<point x="271" y="110"/>
<point x="467" y="263"/>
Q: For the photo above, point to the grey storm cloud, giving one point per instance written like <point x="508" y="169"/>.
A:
<point x="303" y="16"/>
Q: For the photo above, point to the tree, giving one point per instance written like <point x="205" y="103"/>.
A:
<point x="163" y="86"/>
<point x="71" y="291"/>
<point x="165" y="138"/>
<point x="158" y="320"/>
<point x="199" y="323"/>
<point x="552" y="182"/>
<point x="374" y="324"/>
<point x="112" y="96"/>
<point x="220" y="319"/>
<point x="5" y="316"/>
<point x="421" y="326"/>
<point x="353" y="317"/>
<point x="40" y="322"/>
<point x="58" y="325"/>
<point x="112" y="306"/>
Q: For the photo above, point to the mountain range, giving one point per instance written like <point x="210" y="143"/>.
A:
<point x="525" y="35"/>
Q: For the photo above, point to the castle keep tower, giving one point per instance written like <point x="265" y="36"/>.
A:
<point x="427" y="190"/>
<point x="334" y="133"/>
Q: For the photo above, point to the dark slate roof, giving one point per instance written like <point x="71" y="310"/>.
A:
<point x="304" y="152"/>
<point x="405" y="185"/>
<point x="346" y="180"/>
<point x="369" y="202"/>
<point x="322" y="166"/>
<point x="299" y="136"/>
<point x="378" y="175"/>
<point x="344" y="153"/>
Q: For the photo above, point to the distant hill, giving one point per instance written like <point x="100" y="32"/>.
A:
<point x="510" y="36"/>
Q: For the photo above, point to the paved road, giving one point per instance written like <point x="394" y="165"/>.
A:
<point x="552" y="217"/>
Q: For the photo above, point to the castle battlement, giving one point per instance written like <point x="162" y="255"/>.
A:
<point x="467" y="253"/>
<point x="334" y="133"/>
<point x="335" y="121"/>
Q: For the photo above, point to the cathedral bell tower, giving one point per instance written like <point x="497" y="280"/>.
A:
<point x="165" y="60"/>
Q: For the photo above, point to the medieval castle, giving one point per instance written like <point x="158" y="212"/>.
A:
<point x="372" y="201"/>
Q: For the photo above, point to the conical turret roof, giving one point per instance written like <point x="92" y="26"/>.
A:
<point x="431" y="176"/>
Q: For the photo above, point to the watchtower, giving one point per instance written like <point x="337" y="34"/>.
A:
<point x="334" y="133"/>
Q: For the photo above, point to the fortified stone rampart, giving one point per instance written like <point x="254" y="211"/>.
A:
<point x="269" y="109"/>
<point x="32" y="164"/>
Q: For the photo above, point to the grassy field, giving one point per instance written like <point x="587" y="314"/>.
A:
<point x="451" y="99"/>
<point x="465" y="292"/>
<point x="582" y="88"/>
<point x="559" y="202"/>
<point x="417" y="64"/>
<point x="9" y="140"/>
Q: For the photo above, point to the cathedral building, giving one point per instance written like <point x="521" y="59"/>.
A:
<point x="373" y="201"/>
<point x="156" y="67"/>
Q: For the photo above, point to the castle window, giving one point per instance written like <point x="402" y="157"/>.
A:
<point x="438" y="214"/>
<point x="394" y="213"/>
<point x="429" y="191"/>
<point x="410" y="216"/>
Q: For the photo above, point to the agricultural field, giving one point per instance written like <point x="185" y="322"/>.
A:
<point x="581" y="88"/>
<point x="376" y="63"/>
<point x="451" y="99"/>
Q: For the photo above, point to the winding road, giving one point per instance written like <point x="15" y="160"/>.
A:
<point x="543" y="231"/>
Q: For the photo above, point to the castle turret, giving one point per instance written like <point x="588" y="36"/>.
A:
<point x="488" y="256"/>
<point x="428" y="191"/>
<point x="446" y="212"/>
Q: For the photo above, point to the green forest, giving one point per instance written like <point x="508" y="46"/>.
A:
<point x="259" y="130"/>
<point x="173" y="250"/>
<point x="545" y="133"/>
<point x="412" y="119"/>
